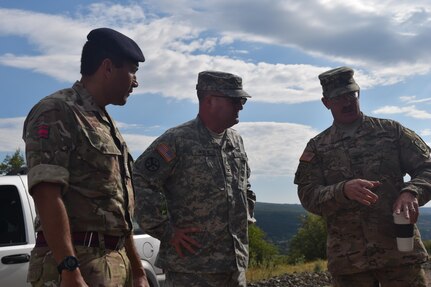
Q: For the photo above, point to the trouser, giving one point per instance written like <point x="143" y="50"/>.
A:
<point x="99" y="267"/>
<point x="401" y="276"/>
<point x="230" y="279"/>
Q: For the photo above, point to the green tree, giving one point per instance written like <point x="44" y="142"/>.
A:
<point x="13" y="164"/>
<point x="309" y="243"/>
<point x="262" y="252"/>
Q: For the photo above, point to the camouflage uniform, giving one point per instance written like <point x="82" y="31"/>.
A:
<point x="362" y="238"/>
<point x="186" y="179"/>
<point x="72" y="142"/>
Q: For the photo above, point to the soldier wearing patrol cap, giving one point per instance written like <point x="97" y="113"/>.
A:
<point x="80" y="173"/>
<point x="352" y="174"/>
<point x="193" y="192"/>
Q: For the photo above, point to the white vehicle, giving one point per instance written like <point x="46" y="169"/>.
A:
<point x="17" y="236"/>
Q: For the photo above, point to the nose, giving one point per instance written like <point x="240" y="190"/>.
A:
<point x="135" y="83"/>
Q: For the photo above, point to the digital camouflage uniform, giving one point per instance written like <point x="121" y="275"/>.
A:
<point x="360" y="237"/>
<point x="186" y="179"/>
<point x="72" y="142"/>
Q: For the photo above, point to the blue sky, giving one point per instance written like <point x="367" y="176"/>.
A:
<point x="278" y="46"/>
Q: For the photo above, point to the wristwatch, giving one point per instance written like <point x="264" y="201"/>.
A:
<point x="69" y="263"/>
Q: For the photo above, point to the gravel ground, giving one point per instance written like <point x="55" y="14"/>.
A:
<point x="311" y="279"/>
<point x="305" y="279"/>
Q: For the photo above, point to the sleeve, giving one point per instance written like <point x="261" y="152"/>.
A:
<point x="251" y="199"/>
<point x="150" y="172"/>
<point x="415" y="160"/>
<point x="48" y="142"/>
<point x="314" y="194"/>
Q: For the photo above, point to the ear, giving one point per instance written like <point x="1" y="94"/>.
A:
<point x="106" y="67"/>
<point x="326" y="102"/>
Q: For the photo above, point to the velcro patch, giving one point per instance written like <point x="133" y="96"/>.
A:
<point x="306" y="156"/>
<point x="152" y="164"/>
<point x="43" y="131"/>
<point x="165" y="152"/>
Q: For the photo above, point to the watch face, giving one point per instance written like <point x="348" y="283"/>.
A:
<point x="70" y="262"/>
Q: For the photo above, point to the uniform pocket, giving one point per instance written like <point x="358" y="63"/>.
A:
<point x="42" y="267"/>
<point x="240" y="159"/>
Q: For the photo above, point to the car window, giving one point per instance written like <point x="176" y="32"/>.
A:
<point x="12" y="231"/>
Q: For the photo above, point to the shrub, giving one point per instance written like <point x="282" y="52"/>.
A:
<point x="262" y="252"/>
<point x="309" y="243"/>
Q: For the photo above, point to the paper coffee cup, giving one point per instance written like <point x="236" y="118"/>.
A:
<point x="403" y="232"/>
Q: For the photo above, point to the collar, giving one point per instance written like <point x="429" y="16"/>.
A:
<point x="86" y="101"/>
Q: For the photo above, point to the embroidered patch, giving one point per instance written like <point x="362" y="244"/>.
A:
<point x="152" y="164"/>
<point x="306" y="156"/>
<point x="165" y="152"/>
<point x="43" y="131"/>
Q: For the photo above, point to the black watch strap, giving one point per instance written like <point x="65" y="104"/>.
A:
<point x="69" y="263"/>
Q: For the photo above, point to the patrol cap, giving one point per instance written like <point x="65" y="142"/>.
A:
<point x="115" y="41"/>
<point x="228" y="84"/>
<point x="338" y="81"/>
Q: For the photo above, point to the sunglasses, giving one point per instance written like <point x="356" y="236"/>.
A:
<point x="235" y="101"/>
<point x="348" y="97"/>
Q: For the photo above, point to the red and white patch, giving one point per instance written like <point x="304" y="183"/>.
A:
<point x="43" y="131"/>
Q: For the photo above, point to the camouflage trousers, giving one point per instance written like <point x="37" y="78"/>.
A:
<point x="401" y="276"/>
<point x="231" y="279"/>
<point x="99" y="267"/>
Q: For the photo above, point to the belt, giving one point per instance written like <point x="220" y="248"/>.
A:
<point x="88" y="239"/>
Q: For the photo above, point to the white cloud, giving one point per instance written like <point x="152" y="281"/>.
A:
<point x="410" y="111"/>
<point x="413" y="100"/>
<point x="137" y="143"/>
<point x="379" y="35"/>
<point x="425" y="132"/>
<point x="179" y="44"/>
<point x="11" y="131"/>
<point x="274" y="148"/>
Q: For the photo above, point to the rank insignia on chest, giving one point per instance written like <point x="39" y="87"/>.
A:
<point x="165" y="152"/>
<point x="43" y="131"/>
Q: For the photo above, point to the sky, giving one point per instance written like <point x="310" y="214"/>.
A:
<point x="278" y="47"/>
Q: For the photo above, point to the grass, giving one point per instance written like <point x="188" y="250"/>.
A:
<point x="255" y="274"/>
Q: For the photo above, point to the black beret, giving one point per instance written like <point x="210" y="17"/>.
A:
<point x="109" y="38"/>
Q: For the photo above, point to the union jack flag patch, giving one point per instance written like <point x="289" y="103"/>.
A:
<point x="165" y="152"/>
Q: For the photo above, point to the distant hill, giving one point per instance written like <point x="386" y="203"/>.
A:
<point x="281" y="221"/>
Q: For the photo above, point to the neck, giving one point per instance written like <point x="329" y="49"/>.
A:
<point x="211" y="125"/>
<point x="90" y="84"/>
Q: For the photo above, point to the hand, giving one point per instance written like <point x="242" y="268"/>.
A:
<point x="408" y="204"/>
<point x="359" y="190"/>
<point x="72" y="279"/>
<point x="180" y="240"/>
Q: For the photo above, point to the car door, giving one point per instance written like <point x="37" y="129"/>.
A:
<point x="16" y="233"/>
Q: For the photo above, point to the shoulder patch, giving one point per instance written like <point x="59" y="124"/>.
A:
<point x="306" y="156"/>
<point x="43" y="131"/>
<point x="152" y="164"/>
<point x="165" y="152"/>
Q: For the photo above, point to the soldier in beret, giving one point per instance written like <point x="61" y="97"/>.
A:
<point x="352" y="174"/>
<point x="80" y="173"/>
<point x="193" y="192"/>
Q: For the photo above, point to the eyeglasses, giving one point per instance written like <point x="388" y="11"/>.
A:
<point x="347" y="97"/>
<point x="235" y="101"/>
